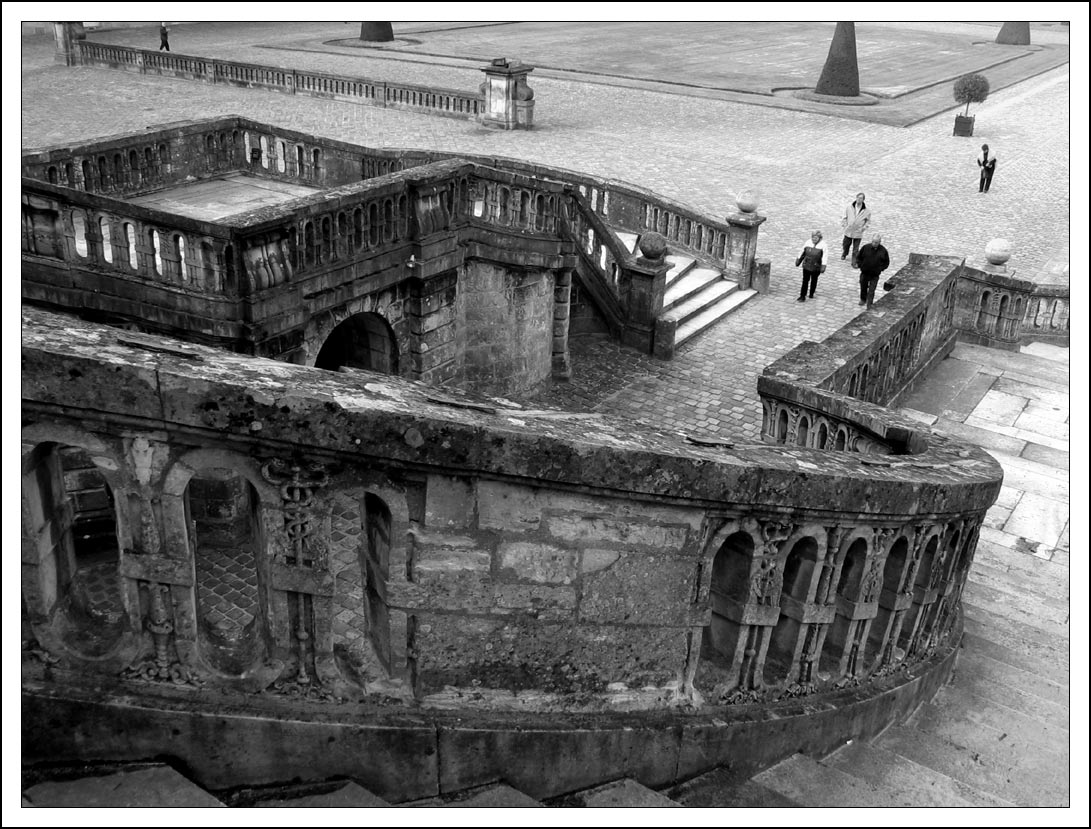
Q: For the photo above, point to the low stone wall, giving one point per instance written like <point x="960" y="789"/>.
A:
<point x="449" y="103"/>
<point x="810" y="395"/>
<point x="1000" y="310"/>
<point x="521" y="559"/>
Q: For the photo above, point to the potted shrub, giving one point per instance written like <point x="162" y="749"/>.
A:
<point x="969" y="89"/>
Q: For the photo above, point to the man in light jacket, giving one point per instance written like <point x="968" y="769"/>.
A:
<point x="855" y="221"/>
<point x="873" y="259"/>
<point x="813" y="259"/>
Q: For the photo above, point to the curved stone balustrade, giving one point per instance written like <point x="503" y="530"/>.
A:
<point x="445" y="551"/>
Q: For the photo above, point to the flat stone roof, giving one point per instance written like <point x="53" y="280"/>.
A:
<point x="223" y="196"/>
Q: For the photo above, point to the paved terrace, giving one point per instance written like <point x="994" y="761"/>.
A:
<point x="921" y="182"/>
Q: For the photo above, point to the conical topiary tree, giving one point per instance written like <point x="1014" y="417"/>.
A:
<point x="1015" y="34"/>
<point x="376" y="32"/>
<point x="971" y="89"/>
<point x="841" y="74"/>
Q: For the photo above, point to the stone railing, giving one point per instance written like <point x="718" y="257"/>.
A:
<point x="810" y="396"/>
<point x="729" y="245"/>
<point x="449" y="103"/>
<point x="399" y="542"/>
<point x="1002" y="311"/>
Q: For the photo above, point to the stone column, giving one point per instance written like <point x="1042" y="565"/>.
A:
<point x="642" y="284"/>
<point x="742" y="246"/>
<point x="68" y="50"/>
<point x="509" y="102"/>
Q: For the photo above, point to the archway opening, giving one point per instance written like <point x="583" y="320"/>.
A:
<point x="226" y="538"/>
<point x="364" y="341"/>
<point x="799" y="568"/>
<point x="71" y="512"/>
<point x="836" y="650"/>
<point x="730" y="586"/>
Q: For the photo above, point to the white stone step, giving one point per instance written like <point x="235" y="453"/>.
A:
<point x="628" y="240"/>
<point x="908" y="783"/>
<point x="811" y="783"/>
<point x="350" y="795"/>
<point x="712" y="314"/>
<point x="698" y="302"/>
<point x="494" y="795"/>
<point x="695" y="280"/>
<point x="625" y="793"/>
<point x="680" y="265"/>
<point x="149" y="788"/>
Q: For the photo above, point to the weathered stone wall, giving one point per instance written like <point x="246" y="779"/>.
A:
<point x="472" y="555"/>
<point x="506" y="318"/>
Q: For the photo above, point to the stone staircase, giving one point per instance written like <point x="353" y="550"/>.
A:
<point x="697" y="297"/>
<point x="998" y="734"/>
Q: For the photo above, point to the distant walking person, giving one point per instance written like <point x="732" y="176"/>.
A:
<point x="855" y="221"/>
<point x="163" y="42"/>
<point x="813" y="259"/>
<point x="987" y="163"/>
<point x="873" y="260"/>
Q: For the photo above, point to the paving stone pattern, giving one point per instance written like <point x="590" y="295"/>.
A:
<point x="921" y="183"/>
<point x="227" y="589"/>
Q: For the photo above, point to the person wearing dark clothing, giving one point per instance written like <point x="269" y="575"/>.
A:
<point x="163" y="32"/>
<point x="813" y="259"/>
<point x="873" y="260"/>
<point x="987" y="163"/>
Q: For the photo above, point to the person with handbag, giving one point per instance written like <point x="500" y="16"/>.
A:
<point x="813" y="259"/>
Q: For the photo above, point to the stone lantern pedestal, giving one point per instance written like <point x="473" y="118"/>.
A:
<point x="509" y="102"/>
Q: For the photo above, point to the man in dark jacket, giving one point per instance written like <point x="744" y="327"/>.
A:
<point x="873" y="260"/>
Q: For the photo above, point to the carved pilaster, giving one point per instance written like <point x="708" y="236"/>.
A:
<point x="163" y="665"/>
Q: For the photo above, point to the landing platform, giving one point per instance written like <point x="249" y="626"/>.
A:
<point x="223" y="196"/>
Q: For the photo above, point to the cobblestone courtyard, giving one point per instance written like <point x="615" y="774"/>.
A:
<point x="920" y="181"/>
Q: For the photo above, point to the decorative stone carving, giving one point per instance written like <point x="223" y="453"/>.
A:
<point x="653" y="248"/>
<point x="746" y="201"/>
<point x="297" y="487"/>
<point x="163" y="665"/>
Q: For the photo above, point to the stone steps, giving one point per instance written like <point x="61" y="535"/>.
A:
<point x="694" y="323"/>
<point x="153" y="786"/>
<point x="696" y="297"/>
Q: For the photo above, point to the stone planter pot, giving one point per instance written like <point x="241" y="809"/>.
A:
<point x="964" y="125"/>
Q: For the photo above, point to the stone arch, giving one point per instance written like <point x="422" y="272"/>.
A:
<point x="802" y="431"/>
<point x="106" y="234"/>
<point x="74" y="530"/>
<point x="822" y="436"/>
<point x="375" y="561"/>
<point x="921" y="578"/>
<point x="730" y="559"/>
<point x="782" y="426"/>
<point x="222" y="517"/>
<point x="79" y="233"/>
<point x="983" y="310"/>
<point x="362" y="340"/>
<point x="799" y="570"/>
<point x="841" y="440"/>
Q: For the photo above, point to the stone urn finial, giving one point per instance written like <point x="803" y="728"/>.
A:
<point x="653" y="247"/>
<point x="747" y="201"/>
<point x="998" y="251"/>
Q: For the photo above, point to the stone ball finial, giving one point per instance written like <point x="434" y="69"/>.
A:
<point x="653" y="246"/>
<point x="746" y="201"/>
<point x="998" y="251"/>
